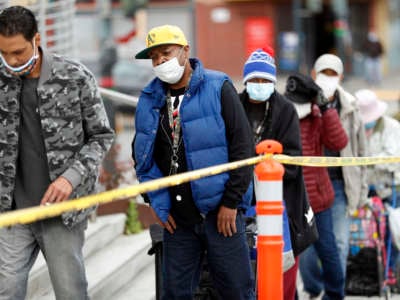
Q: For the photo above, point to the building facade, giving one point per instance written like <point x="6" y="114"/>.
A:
<point x="223" y="32"/>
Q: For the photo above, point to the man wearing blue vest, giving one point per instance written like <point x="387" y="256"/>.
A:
<point x="189" y="118"/>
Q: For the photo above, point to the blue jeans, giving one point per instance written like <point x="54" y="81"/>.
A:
<point x="341" y="223"/>
<point x="325" y="249"/>
<point x="62" y="249"/>
<point x="228" y="259"/>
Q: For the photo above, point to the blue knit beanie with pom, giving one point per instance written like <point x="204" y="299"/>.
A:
<point x="260" y="64"/>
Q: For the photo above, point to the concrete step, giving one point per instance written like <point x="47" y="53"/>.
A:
<point x="142" y="287"/>
<point x="117" y="265"/>
<point x="98" y="234"/>
<point x="114" y="267"/>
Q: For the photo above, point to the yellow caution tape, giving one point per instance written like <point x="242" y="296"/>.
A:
<point x="323" y="161"/>
<point x="29" y="215"/>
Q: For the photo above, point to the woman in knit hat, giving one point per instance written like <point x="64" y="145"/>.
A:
<point x="272" y="116"/>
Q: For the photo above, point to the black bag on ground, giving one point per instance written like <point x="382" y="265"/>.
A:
<point x="362" y="276"/>
<point x="206" y="289"/>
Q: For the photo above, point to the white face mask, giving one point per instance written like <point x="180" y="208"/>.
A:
<point x="328" y="84"/>
<point x="24" y="69"/>
<point x="260" y="91"/>
<point x="170" y="71"/>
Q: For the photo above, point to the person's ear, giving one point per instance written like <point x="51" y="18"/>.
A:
<point x="186" y="49"/>
<point x="313" y="74"/>
<point x="37" y="39"/>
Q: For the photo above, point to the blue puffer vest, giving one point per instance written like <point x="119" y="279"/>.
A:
<point x="204" y="137"/>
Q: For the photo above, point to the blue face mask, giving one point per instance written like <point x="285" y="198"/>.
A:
<point x="370" y="125"/>
<point x="260" y="91"/>
<point x="24" y="69"/>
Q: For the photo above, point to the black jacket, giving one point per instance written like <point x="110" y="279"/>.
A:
<point x="282" y="125"/>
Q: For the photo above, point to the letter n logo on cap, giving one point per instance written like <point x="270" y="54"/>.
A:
<point x="176" y="37"/>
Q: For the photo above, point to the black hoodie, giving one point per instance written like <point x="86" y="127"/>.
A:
<point x="282" y="125"/>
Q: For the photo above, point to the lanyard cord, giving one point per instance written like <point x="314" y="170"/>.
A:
<point x="175" y="125"/>
<point x="265" y="124"/>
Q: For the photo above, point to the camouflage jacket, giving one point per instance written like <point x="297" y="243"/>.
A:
<point x="75" y="128"/>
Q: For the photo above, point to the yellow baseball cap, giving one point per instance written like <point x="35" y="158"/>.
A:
<point x="162" y="35"/>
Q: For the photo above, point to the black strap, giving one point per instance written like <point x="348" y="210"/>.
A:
<point x="265" y="124"/>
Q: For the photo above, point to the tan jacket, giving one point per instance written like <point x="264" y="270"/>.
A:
<point x="383" y="142"/>
<point x="355" y="177"/>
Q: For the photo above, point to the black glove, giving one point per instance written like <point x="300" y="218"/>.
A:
<point x="322" y="102"/>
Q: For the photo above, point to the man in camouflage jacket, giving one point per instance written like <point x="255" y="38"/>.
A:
<point x="60" y="98"/>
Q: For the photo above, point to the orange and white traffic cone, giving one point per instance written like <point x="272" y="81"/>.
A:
<point x="269" y="208"/>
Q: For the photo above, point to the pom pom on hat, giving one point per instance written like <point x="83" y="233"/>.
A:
<point x="260" y="64"/>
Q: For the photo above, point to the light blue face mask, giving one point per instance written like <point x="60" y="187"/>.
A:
<point x="260" y="91"/>
<point x="24" y="69"/>
<point x="370" y="125"/>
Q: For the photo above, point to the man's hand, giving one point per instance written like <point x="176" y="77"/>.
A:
<point x="59" y="190"/>
<point x="226" y="221"/>
<point x="170" y="225"/>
